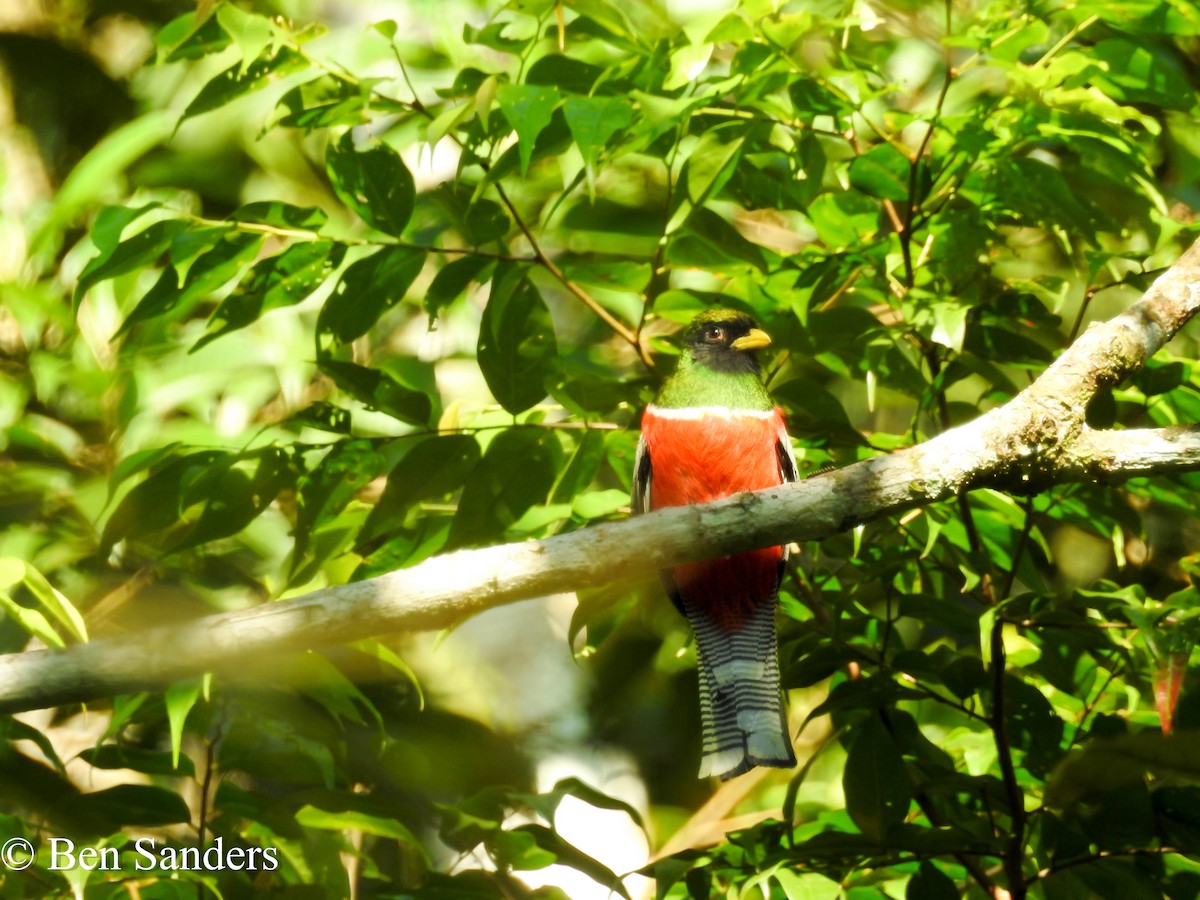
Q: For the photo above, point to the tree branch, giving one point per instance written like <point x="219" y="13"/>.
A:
<point x="1038" y="438"/>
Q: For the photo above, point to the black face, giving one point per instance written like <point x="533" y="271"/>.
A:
<point x="709" y="344"/>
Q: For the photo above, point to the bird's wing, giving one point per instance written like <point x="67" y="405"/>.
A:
<point x="788" y="469"/>
<point x="642" y="472"/>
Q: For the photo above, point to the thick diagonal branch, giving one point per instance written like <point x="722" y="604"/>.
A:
<point x="1038" y="438"/>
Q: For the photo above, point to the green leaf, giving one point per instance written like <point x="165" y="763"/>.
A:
<point x="687" y="65"/>
<point x="368" y="289"/>
<point x="706" y="171"/>
<point x="233" y="494"/>
<point x="556" y="850"/>
<point x="133" y="804"/>
<point x="451" y="280"/>
<point x="613" y="22"/>
<point x="581" y="470"/>
<point x="807" y="885"/>
<point x="111" y="223"/>
<point x="878" y="792"/>
<point x="516" y="472"/>
<point x="351" y="820"/>
<point x="709" y="242"/>
<point x="598" y="504"/>
<point x="1033" y="725"/>
<point x="373" y="182"/>
<point x="210" y="272"/>
<point x="844" y="220"/>
<point x="350" y="109"/>
<point x="137" y="252"/>
<point x="277" y="281"/>
<point x="251" y="33"/>
<point x="528" y="109"/>
<point x="883" y="171"/>
<point x="179" y="699"/>
<point x="810" y="99"/>
<point x="281" y="215"/>
<point x="593" y="120"/>
<point x="432" y="469"/>
<point x="496" y="36"/>
<point x="1038" y="193"/>
<point x="611" y="274"/>
<point x="323" y="682"/>
<point x="733" y="28"/>
<point x="478" y="219"/>
<point x="54" y="602"/>
<point x="566" y="73"/>
<point x="323" y="417"/>
<point x="138" y="759"/>
<point x="581" y="790"/>
<point x="16" y="730"/>
<point x="181" y="39"/>
<point x="787" y="29"/>
<point x="1106" y="764"/>
<point x="31" y="620"/>
<point x="949" y="325"/>
<point x="378" y="390"/>
<point x="930" y="883"/>
<point x="1143" y="73"/>
<point x="324" y="491"/>
<point x="154" y="505"/>
<point x="1161" y="377"/>
<point x="388" y="657"/>
<point x="517" y="349"/>
<point x="239" y="80"/>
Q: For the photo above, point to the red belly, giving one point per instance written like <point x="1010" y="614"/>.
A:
<point x="706" y="458"/>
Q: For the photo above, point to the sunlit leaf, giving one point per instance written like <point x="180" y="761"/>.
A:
<point x="179" y="700"/>
<point x="239" y="80"/>
<point x="134" y="252"/>
<point x="528" y="109"/>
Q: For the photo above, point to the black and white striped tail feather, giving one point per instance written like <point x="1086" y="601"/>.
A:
<point x="743" y="719"/>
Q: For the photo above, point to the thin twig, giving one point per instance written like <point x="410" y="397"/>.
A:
<point x="914" y="168"/>
<point x="1014" y="854"/>
<point x="314" y="235"/>
<point x="1092" y="702"/>
<point x="1099" y="855"/>
<point x="1071" y="34"/>
<point x="1022" y="542"/>
<point x="583" y="296"/>
<point x="762" y="117"/>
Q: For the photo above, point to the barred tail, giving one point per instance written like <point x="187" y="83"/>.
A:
<point x="741" y="707"/>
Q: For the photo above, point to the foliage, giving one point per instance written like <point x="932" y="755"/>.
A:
<point x="352" y="296"/>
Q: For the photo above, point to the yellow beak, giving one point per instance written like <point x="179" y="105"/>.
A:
<point x="755" y="340"/>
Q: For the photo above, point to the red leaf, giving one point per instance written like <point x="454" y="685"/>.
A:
<point x="1167" y="682"/>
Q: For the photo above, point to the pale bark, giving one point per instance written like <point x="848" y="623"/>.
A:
<point x="1038" y="438"/>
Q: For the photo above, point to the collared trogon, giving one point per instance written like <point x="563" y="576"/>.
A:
<point x="713" y="431"/>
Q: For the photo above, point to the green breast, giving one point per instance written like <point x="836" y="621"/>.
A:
<point x="696" y="385"/>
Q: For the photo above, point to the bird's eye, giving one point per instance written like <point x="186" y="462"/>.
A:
<point x="714" y="334"/>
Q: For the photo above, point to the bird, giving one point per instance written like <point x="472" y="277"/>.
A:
<point x="713" y="431"/>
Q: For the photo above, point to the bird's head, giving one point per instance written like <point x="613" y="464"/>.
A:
<point x="724" y="340"/>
